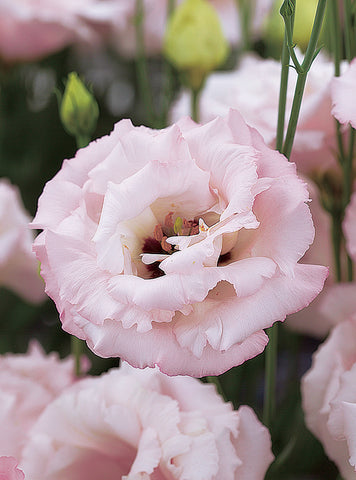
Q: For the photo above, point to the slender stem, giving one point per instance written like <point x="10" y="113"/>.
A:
<point x="195" y="94"/>
<point x="336" y="35"/>
<point x="336" y="237"/>
<point x="141" y="64"/>
<point x="311" y="49"/>
<point x="269" y="404"/>
<point x="293" y="120"/>
<point x="217" y="383"/>
<point x="350" y="41"/>
<point x="347" y="189"/>
<point x="347" y="170"/>
<point x="77" y="350"/>
<point x="244" y="15"/>
<point x="302" y="70"/>
<point x="169" y="77"/>
<point x="82" y="141"/>
<point x="282" y="95"/>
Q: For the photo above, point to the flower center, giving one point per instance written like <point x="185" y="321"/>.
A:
<point x="157" y="243"/>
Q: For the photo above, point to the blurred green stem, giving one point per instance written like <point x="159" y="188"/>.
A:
<point x="77" y="350"/>
<point x="350" y="30"/>
<point x="302" y="70"/>
<point x="345" y="154"/>
<point x="82" y="141"/>
<point x="195" y="94"/>
<point x="217" y="383"/>
<point x="269" y="404"/>
<point x="282" y="95"/>
<point x="141" y="65"/>
<point x="243" y="8"/>
<point x="168" y="77"/>
<point x="336" y="233"/>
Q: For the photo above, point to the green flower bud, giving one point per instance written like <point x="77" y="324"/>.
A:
<point x="288" y="8"/>
<point x="194" y="41"/>
<point x="78" y="110"/>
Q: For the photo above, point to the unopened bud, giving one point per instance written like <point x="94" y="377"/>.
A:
<point x="288" y="8"/>
<point x="194" y="41"/>
<point x="79" y="110"/>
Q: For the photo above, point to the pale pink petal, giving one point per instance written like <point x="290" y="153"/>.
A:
<point x="28" y="383"/>
<point x="9" y="470"/>
<point x="253" y="444"/>
<point x="344" y="96"/>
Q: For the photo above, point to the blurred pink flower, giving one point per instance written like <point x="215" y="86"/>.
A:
<point x="28" y="383"/>
<point x="9" y="470"/>
<point x="343" y="93"/>
<point x="329" y="397"/>
<point x="141" y="425"/>
<point x="177" y="247"/>
<point x="155" y="21"/>
<point x="254" y="88"/>
<point x="316" y="320"/>
<point x="31" y="29"/>
<point x="18" y="264"/>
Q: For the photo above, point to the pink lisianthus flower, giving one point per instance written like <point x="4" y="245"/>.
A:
<point x="254" y="88"/>
<point x="155" y="23"/>
<point x="329" y="397"/>
<point x="344" y="96"/>
<point x="9" y="470"/>
<point x="31" y="29"/>
<point x="18" y="264"/>
<point x="28" y="383"/>
<point x="141" y="425"/>
<point x="177" y="247"/>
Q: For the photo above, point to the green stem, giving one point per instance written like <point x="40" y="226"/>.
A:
<point x="215" y="381"/>
<point x="311" y="52"/>
<point x="195" y="94"/>
<point x="77" y="350"/>
<point x="282" y="95"/>
<point x="269" y="404"/>
<point x="302" y="70"/>
<point x="336" y="35"/>
<point x="141" y="65"/>
<point x="82" y="141"/>
<point x="169" y="77"/>
<point x="294" y="115"/>
<point x="336" y="237"/>
<point x="350" y="41"/>
<point x="244" y="15"/>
